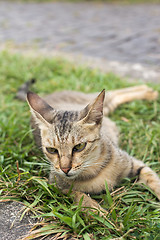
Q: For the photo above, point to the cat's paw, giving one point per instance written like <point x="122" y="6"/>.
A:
<point x="89" y="203"/>
<point x="157" y="191"/>
<point x="151" y="94"/>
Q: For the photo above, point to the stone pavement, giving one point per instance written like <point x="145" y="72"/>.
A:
<point x="118" y="34"/>
<point x="124" y="39"/>
<point x="10" y="226"/>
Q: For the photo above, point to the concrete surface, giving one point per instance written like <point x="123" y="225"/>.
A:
<point x="125" y="37"/>
<point x="11" y="228"/>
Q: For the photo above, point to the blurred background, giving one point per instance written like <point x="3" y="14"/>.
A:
<point x="124" y="34"/>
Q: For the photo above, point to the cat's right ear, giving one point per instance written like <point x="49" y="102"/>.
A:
<point x="41" y="111"/>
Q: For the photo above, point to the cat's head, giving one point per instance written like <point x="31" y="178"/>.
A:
<point x="69" y="139"/>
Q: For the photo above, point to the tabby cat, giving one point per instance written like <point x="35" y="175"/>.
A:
<point x="82" y="144"/>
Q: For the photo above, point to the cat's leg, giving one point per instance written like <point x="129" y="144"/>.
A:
<point x="146" y="175"/>
<point x="117" y="97"/>
<point x="87" y="202"/>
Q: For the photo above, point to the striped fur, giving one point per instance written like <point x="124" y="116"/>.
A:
<point x="101" y="159"/>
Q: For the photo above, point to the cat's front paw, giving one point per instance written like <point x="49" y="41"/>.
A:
<point x="89" y="203"/>
<point x="157" y="191"/>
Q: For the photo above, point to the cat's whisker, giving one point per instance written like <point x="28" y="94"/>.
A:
<point x="46" y="161"/>
<point x="91" y="165"/>
<point x="40" y="148"/>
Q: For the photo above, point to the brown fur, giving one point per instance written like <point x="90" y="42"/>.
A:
<point x="63" y="121"/>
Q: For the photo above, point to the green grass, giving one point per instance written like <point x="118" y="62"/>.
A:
<point x="134" y="212"/>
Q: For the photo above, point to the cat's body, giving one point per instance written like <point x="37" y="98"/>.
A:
<point x="82" y="145"/>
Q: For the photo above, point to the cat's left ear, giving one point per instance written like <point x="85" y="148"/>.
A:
<point x="42" y="112"/>
<point x="93" y="113"/>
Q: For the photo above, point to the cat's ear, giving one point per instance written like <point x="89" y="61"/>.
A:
<point x="41" y="111"/>
<point x="93" y="113"/>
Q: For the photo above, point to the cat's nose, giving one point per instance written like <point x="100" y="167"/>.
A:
<point x="65" y="170"/>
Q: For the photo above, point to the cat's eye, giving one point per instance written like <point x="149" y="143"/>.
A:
<point x="51" y="150"/>
<point x="79" y="147"/>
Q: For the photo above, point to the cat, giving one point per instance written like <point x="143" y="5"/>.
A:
<point x="82" y="144"/>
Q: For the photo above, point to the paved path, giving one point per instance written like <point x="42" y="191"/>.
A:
<point x="10" y="227"/>
<point x="125" y="33"/>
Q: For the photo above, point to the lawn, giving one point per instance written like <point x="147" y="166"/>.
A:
<point x="134" y="211"/>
